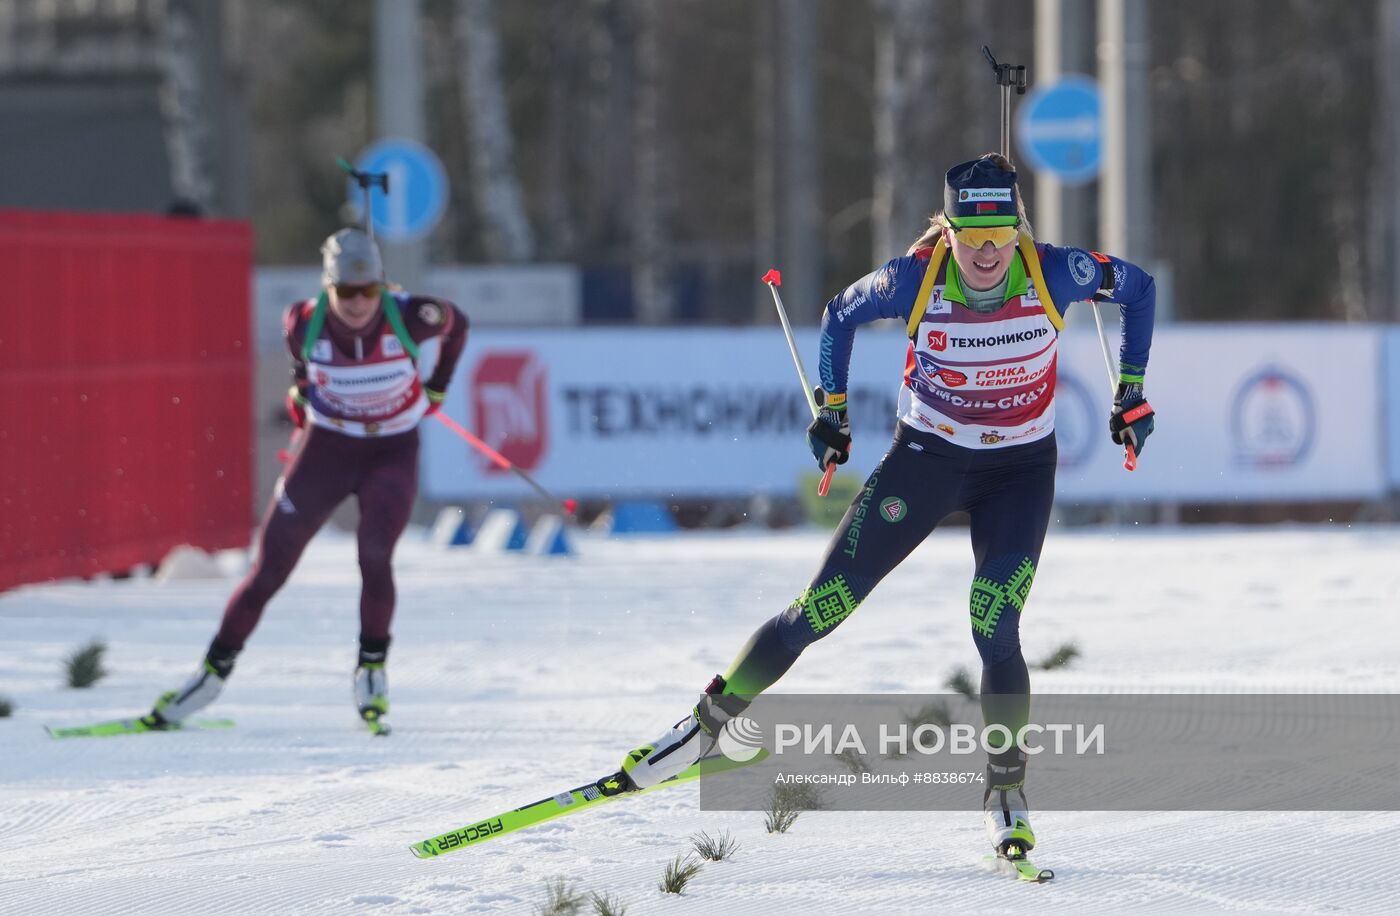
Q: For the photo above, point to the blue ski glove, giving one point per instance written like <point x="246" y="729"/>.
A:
<point x="1132" y="419"/>
<point x="829" y="436"/>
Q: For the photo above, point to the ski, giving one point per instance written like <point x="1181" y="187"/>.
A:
<point x="1014" y="864"/>
<point x="133" y="727"/>
<point x="588" y="795"/>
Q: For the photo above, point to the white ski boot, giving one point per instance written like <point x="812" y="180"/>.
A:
<point x="372" y="688"/>
<point x="1008" y="824"/>
<point x="686" y="742"/>
<point x="203" y="688"/>
<point x="1005" y="814"/>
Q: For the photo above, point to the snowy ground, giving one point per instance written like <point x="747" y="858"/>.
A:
<point x="513" y="678"/>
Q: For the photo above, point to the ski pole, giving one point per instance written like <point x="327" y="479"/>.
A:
<point x="774" y="279"/>
<point x="289" y="451"/>
<point x="501" y="461"/>
<point x="366" y="181"/>
<point x="1129" y="453"/>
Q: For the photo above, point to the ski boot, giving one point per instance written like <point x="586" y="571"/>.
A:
<point x="203" y="688"/>
<point x="686" y="742"/>
<point x="1007" y="821"/>
<point x="372" y="685"/>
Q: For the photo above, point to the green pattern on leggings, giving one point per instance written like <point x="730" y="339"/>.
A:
<point x="989" y="597"/>
<point x="828" y="604"/>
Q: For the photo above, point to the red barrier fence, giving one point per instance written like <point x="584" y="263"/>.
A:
<point x="125" y="390"/>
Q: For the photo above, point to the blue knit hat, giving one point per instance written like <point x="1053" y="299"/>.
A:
<point x="980" y="188"/>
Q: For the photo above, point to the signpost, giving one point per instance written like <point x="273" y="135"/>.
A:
<point x="419" y="184"/>
<point x="1060" y="129"/>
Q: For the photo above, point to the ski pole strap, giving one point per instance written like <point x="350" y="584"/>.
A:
<point x="1135" y="413"/>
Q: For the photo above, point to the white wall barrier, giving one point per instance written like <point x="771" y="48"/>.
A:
<point x="1255" y="412"/>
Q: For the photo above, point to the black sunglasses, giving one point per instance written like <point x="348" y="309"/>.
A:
<point x="351" y="290"/>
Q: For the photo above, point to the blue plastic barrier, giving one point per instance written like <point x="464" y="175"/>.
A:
<point x="642" y="518"/>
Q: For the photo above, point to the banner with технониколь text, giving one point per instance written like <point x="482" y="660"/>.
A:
<point x="1257" y="412"/>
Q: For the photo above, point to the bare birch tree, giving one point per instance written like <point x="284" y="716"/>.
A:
<point x="651" y="262"/>
<point x="609" y="102"/>
<point x="787" y="174"/>
<point x="906" y="118"/>
<point x="500" y="205"/>
<point x="1383" y="233"/>
<point x="186" y="100"/>
<point x="563" y="126"/>
<point x="765" y="153"/>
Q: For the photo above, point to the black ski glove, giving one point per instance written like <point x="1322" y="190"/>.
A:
<point x="829" y="436"/>
<point x="1132" y="419"/>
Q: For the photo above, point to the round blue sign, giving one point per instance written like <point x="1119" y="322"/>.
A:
<point x="1060" y="129"/>
<point x="417" y="189"/>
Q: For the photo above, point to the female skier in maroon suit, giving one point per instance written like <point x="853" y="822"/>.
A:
<point x="368" y="365"/>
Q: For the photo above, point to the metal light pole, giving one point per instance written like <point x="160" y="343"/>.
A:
<point x="1062" y="46"/>
<point x="1125" y="191"/>
<point x="399" y="112"/>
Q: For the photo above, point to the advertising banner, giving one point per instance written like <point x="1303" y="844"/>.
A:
<point x="1254" y="412"/>
<point x="664" y="413"/>
<point x="1250" y="412"/>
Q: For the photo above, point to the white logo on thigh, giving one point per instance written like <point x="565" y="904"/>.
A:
<point x="284" y="502"/>
<point x="741" y="739"/>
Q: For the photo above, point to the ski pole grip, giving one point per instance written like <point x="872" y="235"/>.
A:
<point x="825" y="486"/>
<point x="1129" y="458"/>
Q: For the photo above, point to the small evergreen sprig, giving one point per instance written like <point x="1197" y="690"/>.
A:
<point x="716" y="849"/>
<point x="561" y="898"/>
<point x="85" y="665"/>
<point x="606" y="905"/>
<point x="678" y="874"/>
<point x="786" y="802"/>
<point x="960" y="681"/>
<point x="1062" y="657"/>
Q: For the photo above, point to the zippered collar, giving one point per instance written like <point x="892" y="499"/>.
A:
<point x="1016" y="283"/>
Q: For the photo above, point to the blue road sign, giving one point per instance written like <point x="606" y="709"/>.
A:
<point x="417" y="189"/>
<point x="1060" y="129"/>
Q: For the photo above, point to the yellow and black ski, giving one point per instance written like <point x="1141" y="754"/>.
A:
<point x="588" y="795"/>
<point x="133" y="727"/>
<point x="1013" y="862"/>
